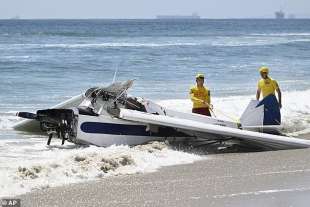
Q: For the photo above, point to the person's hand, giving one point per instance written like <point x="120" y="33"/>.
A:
<point x="211" y="106"/>
<point x="208" y="105"/>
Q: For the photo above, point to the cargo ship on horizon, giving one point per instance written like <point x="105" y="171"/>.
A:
<point x="193" y="16"/>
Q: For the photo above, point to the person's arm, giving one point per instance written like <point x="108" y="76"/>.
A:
<point x="276" y="86"/>
<point x="193" y="98"/>
<point x="207" y="101"/>
<point x="279" y="97"/>
<point x="258" y="94"/>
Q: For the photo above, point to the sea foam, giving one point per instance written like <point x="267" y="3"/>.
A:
<point x="58" y="166"/>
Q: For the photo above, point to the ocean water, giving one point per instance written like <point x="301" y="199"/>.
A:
<point x="44" y="62"/>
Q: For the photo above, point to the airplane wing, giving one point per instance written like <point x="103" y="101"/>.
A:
<point x="273" y="141"/>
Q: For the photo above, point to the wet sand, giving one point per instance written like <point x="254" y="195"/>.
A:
<point x="275" y="178"/>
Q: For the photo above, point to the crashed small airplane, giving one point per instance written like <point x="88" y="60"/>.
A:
<point x="105" y="116"/>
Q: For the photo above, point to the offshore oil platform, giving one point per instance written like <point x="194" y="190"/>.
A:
<point x="279" y="14"/>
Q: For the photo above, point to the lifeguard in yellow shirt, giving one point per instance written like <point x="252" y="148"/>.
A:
<point x="267" y="86"/>
<point x="200" y="96"/>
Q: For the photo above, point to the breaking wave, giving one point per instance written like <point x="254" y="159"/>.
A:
<point x="245" y="42"/>
<point x="15" y="57"/>
<point x="99" y="45"/>
<point x="7" y="120"/>
<point x="70" y="164"/>
<point x="240" y="41"/>
<point x="280" y="34"/>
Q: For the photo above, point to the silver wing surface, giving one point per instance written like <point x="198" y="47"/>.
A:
<point x="268" y="141"/>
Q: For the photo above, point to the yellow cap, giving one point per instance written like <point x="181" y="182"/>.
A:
<point x="264" y="70"/>
<point x="200" y="75"/>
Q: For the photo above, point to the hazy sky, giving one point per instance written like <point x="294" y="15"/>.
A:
<point x="149" y="9"/>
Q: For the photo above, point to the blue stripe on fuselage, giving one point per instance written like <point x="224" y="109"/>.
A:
<point x="115" y="129"/>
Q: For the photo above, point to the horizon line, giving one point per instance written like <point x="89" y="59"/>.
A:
<point x="154" y="18"/>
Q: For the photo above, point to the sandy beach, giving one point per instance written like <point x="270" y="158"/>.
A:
<point x="275" y="178"/>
